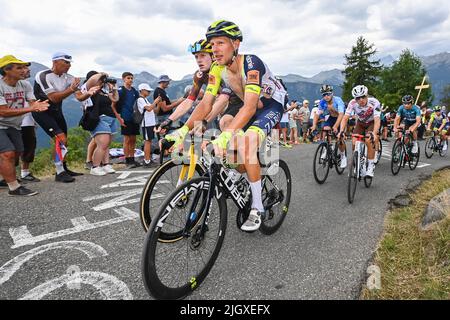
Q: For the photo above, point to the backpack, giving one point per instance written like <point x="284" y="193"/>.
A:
<point x="137" y="115"/>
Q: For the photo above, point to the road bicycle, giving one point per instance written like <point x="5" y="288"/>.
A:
<point x="193" y="219"/>
<point x="435" y="144"/>
<point x="358" y="167"/>
<point x="327" y="156"/>
<point x="402" y="152"/>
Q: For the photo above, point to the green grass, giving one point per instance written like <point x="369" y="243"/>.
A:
<point x="415" y="264"/>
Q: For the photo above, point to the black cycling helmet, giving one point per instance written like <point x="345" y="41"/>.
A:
<point x="408" y="99"/>
<point x="326" y="88"/>
<point x="223" y="28"/>
<point x="201" y="45"/>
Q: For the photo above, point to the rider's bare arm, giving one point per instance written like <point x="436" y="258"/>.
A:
<point x="219" y="105"/>
<point x="246" y="112"/>
<point x="201" y="111"/>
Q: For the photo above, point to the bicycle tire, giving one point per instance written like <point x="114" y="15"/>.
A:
<point x="430" y="146"/>
<point x="414" y="159"/>
<point x="267" y="226"/>
<point x="321" y="163"/>
<point x="352" y="177"/>
<point x="337" y="156"/>
<point x="442" y="152"/>
<point x="396" y="157"/>
<point x="145" y="207"/>
<point x="378" y="152"/>
<point x="154" y="282"/>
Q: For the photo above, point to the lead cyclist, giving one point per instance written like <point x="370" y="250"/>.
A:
<point x="263" y="96"/>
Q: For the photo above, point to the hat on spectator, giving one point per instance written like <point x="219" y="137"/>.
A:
<point x="306" y="101"/>
<point x="61" y="56"/>
<point x="164" y="78"/>
<point x="9" y="59"/>
<point x="144" y="86"/>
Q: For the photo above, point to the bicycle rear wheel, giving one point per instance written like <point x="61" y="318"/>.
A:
<point x="353" y="177"/>
<point x="414" y="158"/>
<point x="321" y="166"/>
<point x="396" y="157"/>
<point x="161" y="183"/>
<point x="173" y="270"/>
<point x="443" y="152"/>
<point x="276" y="196"/>
<point x="430" y="146"/>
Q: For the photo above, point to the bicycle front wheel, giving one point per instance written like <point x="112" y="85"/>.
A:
<point x="397" y="157"/>
<point x="443" y="152"/>
<point x="430" y="146"/>
<point x="172" y="270"/>
<point x="321" y="166"/>
<point x="337" y="156"/>
<point x="353" y="177"/>
<point x="161" y="183"/>
<point x="276" y="196"/>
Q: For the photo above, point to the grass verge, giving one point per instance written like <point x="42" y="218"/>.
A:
<point x="414" y="264"/>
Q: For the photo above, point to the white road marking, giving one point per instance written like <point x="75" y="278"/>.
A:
<point x="107" y="285"/>
<point x="80" y="225"/>
<point x="92" y="250"/>
<point x="131" y="182"/>
<point x="126" y="174"/>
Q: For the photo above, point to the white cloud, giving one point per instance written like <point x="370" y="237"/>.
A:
<point x="302" y="37"/>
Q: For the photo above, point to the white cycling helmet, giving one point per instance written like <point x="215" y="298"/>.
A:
<point x="359" y="91"/>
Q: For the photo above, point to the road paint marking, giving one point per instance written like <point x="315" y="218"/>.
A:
<point x="107" y="285"/>
<point x="80" y="225"/>
<point x="92" y="250"/>
<point x="126" y="174"/>
<point x="131" y="182"/>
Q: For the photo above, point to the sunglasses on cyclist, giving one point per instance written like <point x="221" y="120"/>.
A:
<point x="326" y="94"/>
<point x="359" y="98"/>
<point x="194" y="48"/>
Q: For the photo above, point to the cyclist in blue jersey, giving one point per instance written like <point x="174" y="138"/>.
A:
<point x="332" y="108"/>
<point x="410" y="116"/>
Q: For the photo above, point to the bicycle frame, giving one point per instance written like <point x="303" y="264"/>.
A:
<point x="360" y="146"/>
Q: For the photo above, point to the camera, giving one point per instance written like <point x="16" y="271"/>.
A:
<point x="106" y="79"/>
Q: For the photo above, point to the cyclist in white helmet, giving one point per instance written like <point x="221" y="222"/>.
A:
<point x="367" y="110"/>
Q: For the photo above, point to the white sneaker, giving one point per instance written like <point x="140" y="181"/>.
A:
<point x="414" y="148"/>
<point x="108" y="169"/>
<point x="98" y="171"/>
<point x="253" y="222"/>
<point x="343" y="162"/>
<point x="444" y="148"/>
<point x="370" y="169"/>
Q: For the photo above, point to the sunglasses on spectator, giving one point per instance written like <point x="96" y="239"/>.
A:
<point x="359" y="98"/>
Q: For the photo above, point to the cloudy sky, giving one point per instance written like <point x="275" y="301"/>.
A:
<point x="300" y="37"/>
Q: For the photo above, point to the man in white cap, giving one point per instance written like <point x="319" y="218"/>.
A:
<point x="55" y="85"/>
<point x="148" y="121"/>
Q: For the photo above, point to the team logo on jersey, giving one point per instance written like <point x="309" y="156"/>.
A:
<point x="249" y="62"/>
<point x="212" y="80"/>
<point x="253" y="77"/>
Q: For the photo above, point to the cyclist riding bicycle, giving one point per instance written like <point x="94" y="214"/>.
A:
<point x="263" y="95"/>
<point x="438" y="122"/>
<point x="202" y="51"/>
<point x="410" y="115"/>
<point x="332" y="108"/>
<point x="367" y="110"/>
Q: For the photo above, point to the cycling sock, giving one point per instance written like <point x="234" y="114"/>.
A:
<point x="24" y="173"/>
<point x="256" y="195"/>
<point x="59" y="167"/>
<point x="13" y="185"/>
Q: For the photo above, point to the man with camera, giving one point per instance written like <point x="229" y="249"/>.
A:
<point x="124" y="113"/>
<point x="55" y="85"/>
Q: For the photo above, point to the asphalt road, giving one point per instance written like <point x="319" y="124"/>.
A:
<point x="90" y="228"/>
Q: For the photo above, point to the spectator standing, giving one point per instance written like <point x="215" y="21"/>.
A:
<point x="293" y="117"/>
<point x="124" y="113"/>
<point x="14" y="91"/>
<point x="165" y="107"/>
<point x="56" y="85"/>
<point x="304" y="114"/>
<point x="148" y="122"/>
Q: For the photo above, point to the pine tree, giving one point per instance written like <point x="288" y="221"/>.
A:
<point x="401" y="79"/>
<point x="360" y="68"/>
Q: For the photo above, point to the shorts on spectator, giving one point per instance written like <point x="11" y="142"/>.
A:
<point x="131" y="129"/>
<point x="11" y="140"/>
<point x="106" y="125"/>
<point x="284" y="125"/>
<point x="148" y="133"/>
<point x="29" y="143"/>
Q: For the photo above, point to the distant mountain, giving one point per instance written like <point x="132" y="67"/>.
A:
<point x="299" y="87"/>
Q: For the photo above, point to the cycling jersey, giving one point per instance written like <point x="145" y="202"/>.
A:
<point x="437" y="121"/>
<point x="409" y="115"/>
<point x="48" y="82"/>
<point x="256" y="78"/>
<point x="338" y="105"/>
<point x="367" y="113"/>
